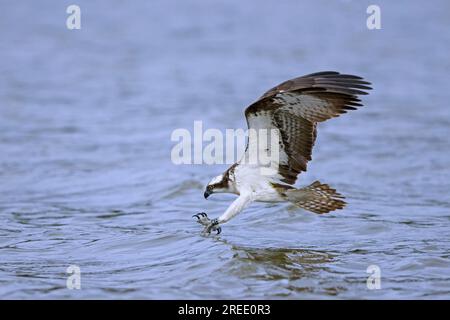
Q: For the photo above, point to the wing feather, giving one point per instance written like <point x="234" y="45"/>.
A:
<point x="294" y="107"/>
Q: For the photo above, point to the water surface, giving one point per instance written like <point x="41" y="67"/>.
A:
<point x="86" y="176"/>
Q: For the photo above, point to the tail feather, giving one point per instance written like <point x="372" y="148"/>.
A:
<point x="317" y="197"/>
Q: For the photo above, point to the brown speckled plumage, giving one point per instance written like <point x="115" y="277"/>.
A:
<point x="296" y="106"/>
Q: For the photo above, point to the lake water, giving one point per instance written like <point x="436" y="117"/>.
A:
<point x="86" y="177"/>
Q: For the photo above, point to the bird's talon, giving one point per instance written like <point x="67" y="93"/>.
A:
<point x="210" y="225"/>
<point x="213" y="226"/>
<point x="202" y="218"/>
<point x="200" y="214"/>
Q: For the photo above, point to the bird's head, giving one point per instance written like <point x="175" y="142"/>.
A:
<point x="219" y="184"/>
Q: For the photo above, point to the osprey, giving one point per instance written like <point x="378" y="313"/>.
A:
<point x="293" y="108"/>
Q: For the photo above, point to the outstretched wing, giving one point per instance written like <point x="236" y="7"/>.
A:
<point x="295" y="107"/>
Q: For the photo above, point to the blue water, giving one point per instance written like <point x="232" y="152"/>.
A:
<point x="86" y="177"/>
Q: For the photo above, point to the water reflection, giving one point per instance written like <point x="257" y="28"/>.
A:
<point x="289" y="269"/>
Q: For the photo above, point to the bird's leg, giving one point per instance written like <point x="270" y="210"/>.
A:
<point x="210" y="225"/>
<point x="213" y="225"/>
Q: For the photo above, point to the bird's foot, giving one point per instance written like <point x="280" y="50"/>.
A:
<point x="210" y="225"/>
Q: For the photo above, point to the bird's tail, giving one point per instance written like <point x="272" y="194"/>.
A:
<point x="317" y="197"/>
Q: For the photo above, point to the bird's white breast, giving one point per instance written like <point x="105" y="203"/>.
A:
<point x="248" y="179"/>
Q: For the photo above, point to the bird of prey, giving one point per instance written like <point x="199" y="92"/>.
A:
<point x="293" y="108"/>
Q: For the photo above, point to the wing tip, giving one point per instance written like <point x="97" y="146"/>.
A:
<point x="337" y="76"/>
<point x="344" y="83"/>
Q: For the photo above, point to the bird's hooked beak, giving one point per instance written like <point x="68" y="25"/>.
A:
<point x="207" y="193"/>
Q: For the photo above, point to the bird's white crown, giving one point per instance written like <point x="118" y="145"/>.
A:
<point x="216" y="179"/>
